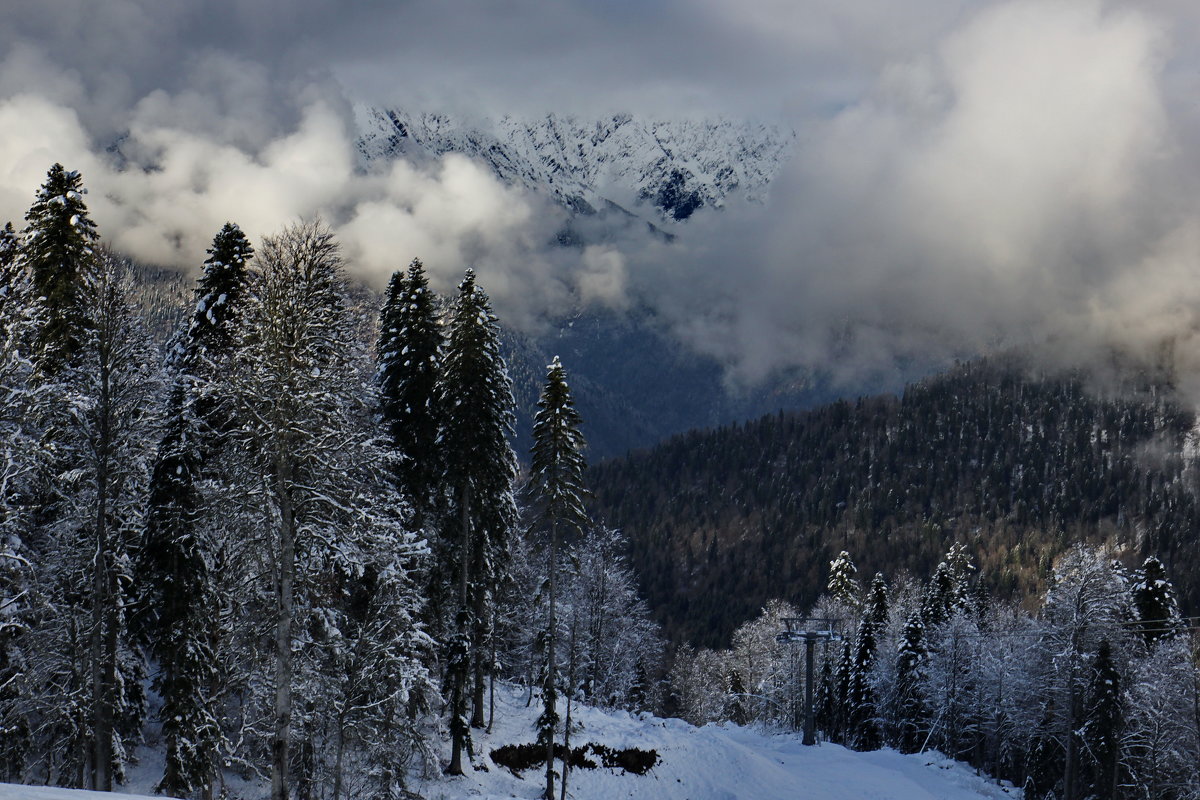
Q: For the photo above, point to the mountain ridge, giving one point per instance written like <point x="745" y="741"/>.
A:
<point x="671" y="166"/>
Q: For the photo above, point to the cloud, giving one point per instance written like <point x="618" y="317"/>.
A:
<point x="970" y="174"/>
<point x="1018" y="182"/>
<point x="189" y="161"/>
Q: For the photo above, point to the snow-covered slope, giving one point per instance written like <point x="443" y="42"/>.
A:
<point x="672" y="166"/>
<point x="709" y="763"/>
<point x="712" y="763"/>
<point x="9" y="791"/>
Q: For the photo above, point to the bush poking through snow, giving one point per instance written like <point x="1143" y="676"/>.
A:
<point x="517" y="758"/>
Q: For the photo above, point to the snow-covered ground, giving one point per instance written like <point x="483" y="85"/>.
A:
<point x="10" y="792"/>
<point x="716" y="762"/>
<point x="712" y="763"/>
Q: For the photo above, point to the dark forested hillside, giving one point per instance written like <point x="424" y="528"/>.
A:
<point x="721" y="521"/>
<point x="637" y="383"/>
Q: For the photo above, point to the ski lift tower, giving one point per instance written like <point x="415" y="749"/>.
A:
<point x="809" y="630"/>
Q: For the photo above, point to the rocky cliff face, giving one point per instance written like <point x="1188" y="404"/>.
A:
<point x="663" y="171"/>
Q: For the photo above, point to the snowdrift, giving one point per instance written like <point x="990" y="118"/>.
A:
<point x="716" y="762"/>
<point x="709" y="763"/>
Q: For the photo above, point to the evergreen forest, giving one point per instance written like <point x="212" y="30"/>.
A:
<point x="278" y="532"/>
<point x="1015" y="464"/>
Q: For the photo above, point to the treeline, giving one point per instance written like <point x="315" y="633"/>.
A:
<point x="312" y="550"/>
<point x="1018" y="465"/>
<point x="1093" y="696"/>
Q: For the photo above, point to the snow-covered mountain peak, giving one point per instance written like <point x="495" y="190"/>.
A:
<point x="674" y="166"/>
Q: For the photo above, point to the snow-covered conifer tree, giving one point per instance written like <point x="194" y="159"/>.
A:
<point x="476" y="395"/>
<point x="863" y="706"/>
<point x="842" y="585"/>
<point x="177" y="583"/>
<point x="410" y="354"/>
<point x="826" y="701"/>
<point x="1154" y="603"/>
<point x="220" y="292"/>
<point x="735" y="706"/>
<point x="910" y="711"/>
<point x="1101" y="734"/>
<point x="57" y="246"/>
<point x="843" y="680"/>
<point x="556" y="485"/>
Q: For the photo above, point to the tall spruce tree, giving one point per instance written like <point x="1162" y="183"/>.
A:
<point x="1044" y="760"/>
<point x="864" y="712"/>
<point x="58" y="245"/>
<point x="844" y="679"/>
<point x="476" y="394"/>
<point x="827" y="706"/>
<point x="220" y="292"/>
<point x="939" y="598"/>
<point x="842" y="585"/>
<point x="177" y="592"/>
<point x="1101" y="734"/>
<point x="910" y="712"/>
<point x="556" y="484"/>
<point x="177" y="586"/>
<point x="410" y="355"/>
<point x="1154" y="603"/>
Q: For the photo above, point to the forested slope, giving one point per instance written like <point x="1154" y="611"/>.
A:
<point x="1018" y="467"/>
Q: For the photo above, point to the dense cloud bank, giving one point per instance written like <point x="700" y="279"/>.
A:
<point x="968" y="175"/>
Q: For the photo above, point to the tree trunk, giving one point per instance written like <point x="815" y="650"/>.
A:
<point x="459" y="674"/>
<point x="567" y="722"/>
<point x="1071" y="754"/>
<point x="100" y="754"/>
<point x="79" y="681"/>
<point x="478" y="642"/>
<point x="492" y="677"/>
<point x="283" y="635"/>
<point x="339" y="758"/>
<point x="214" y="776"/>
<point x="103" y="600"/>
<point x="306" y="772"/>
<point x="549" y="689"/>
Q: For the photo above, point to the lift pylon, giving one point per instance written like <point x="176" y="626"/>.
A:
<point x="809" y="630"/>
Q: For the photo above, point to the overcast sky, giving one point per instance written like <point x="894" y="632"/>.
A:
<point x="968" y="174"/>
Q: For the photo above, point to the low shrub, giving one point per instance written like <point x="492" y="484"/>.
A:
<point x="518" y="758"/>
